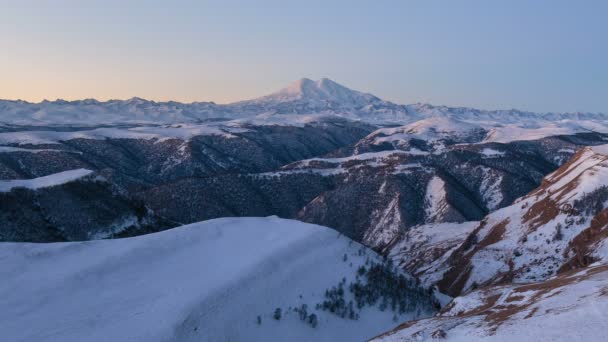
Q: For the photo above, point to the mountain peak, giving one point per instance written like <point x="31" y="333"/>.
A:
<point x="323" y="90"/>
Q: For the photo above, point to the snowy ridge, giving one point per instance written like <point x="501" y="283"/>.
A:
<point x="159" y="133"/>
<point x="44" y="182"/>
<point x="440" y="131"/>
<point x="185" y="284"/>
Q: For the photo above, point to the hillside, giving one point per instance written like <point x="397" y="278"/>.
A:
<point x="558" y="226"/>
<point x="219" y="280"/>
<point x="533" y="270"/>
<point x="569" y="307"/>
<point x="71" y="205"/>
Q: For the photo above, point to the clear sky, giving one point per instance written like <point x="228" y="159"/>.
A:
<point x="536" y="55"/>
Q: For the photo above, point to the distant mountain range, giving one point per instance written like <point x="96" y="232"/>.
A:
<point x="305" y="96"/>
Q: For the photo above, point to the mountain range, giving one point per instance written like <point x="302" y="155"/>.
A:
<point x="304" y="96"/>
<point x="457" y="223"/>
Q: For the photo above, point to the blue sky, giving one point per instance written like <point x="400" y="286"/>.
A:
<point x="533" y="55"/>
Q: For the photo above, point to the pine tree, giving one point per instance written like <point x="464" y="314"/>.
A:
<point x="277" y="314"/>
<point x="312" y="320"/>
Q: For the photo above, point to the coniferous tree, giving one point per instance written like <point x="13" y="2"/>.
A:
<point x="312" y="320"/>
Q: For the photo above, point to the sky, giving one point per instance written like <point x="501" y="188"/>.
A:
<point x="542" y="55"/>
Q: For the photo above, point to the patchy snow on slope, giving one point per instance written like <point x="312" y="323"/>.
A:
<point x="601" y="149"/>
<point x="423" y="249"/>
<point x="570" y="307"/>
<point x="490" y="188"/>
<point x="272" y="119"/>
<point x="384" y="225"/>
<point x="333" y="166"/>
<point x="206" y="281"/>
<point x="43" y="182"/>
<point x="362" y="156"/>
<point x="535" y="237"/>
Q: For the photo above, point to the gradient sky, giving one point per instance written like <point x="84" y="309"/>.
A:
<point x="533" y="55"/>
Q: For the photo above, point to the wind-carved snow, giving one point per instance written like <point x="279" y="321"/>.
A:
<point x="435" y="203"/>
<point x="43" y="182"/>
<point x="206" y="281"/>
<point x="384" y="225"/>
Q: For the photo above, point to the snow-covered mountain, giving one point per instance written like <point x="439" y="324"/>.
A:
<point x="326" y="97"/>
<point x="533" y="270"/>
<point x="559" y="225"/>
<point x="91" y="112"/>
<point x="319" y="94"/>
<point x="305" y="97"/>
<point x="245" y="279"/>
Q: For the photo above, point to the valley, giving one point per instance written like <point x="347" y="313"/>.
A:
<point x="316" y="212"/>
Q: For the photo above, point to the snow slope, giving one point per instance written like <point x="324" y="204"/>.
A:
<point x="206" y="281"/>
<point x="560" y="225"/>
<point x="570" y="307"/>
<point x="423" y="250"/>
<point x="46" y="181"/>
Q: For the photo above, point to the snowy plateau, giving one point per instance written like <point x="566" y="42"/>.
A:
<point x="315" y="213"/>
